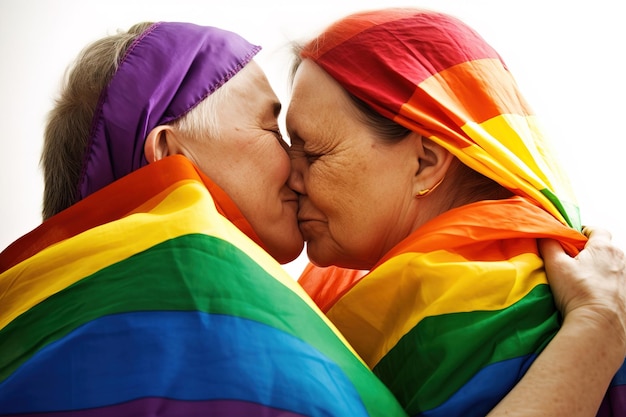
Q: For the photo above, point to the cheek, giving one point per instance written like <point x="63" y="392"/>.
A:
<point x="318" y="182"/>
<point x="279" y="165"/>
<point x="268" y="168"/>
<point x="335" y="195"/>
<point x="283" y="161"/>
<point x="335" y="181"/>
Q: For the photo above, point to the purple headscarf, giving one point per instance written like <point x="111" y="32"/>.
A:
<point x="166" y="72"/>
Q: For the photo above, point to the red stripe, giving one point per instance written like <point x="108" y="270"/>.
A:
<point x="423" y="45"/>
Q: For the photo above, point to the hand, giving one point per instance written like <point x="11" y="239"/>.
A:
<point x="591" y="285"/>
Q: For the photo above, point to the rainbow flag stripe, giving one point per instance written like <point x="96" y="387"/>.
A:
<point x="144" y="299"/>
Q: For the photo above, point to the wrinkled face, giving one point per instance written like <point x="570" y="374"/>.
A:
<point x="356" y="191"/>
<point x="250" y="163"/>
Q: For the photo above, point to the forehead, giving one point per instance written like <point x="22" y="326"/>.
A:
<point x="250" y="92"/>
<point x="317" y="100"/>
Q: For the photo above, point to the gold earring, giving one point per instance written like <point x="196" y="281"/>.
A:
<point x="425" y="192"/>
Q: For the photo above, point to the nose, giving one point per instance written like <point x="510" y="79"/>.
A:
<point x="296" y="177"/>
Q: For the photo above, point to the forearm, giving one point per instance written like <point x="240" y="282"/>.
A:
<point x="571" y="375"/>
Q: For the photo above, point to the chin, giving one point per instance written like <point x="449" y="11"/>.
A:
<point x="287" y="253"/>
<point x="288" y="256"/>
<point x="316" y="258"/>
<point x="319" y="255"/>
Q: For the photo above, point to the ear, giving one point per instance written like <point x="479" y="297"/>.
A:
<point x="433" y="163"/>
<point x="158" y="143"/>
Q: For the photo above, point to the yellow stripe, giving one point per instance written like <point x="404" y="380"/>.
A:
<point x="525" y="143"/>
<point x="476" y="158"/>
<point x="515" y="155"/>
<point x="187" y="209"/>
<point x="392" y="299"/>
<point x="514" y="166"/>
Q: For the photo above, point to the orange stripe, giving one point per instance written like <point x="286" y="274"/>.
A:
<point x="463" y="94"/>
<point x="325" y="285"/>
<point x="516" y="216"/>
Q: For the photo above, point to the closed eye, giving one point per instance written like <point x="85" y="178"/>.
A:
<point x="311" y="157"/>
<point x="279" y="137"/>
<point x="296" y="151"/>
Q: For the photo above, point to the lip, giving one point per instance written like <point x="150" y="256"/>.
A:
<point x="308" y="214"/>
<point x="292" y="202"/>
<point x="303" y="220"/>
<point x="305" y="214"/>
<point x="290" y="197"/>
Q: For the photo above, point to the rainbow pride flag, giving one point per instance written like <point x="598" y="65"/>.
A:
<point x="452" y="318"/>
<point x="144" y="299"/>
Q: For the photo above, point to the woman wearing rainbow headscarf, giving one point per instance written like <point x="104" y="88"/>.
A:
<point x="417" y="158"/>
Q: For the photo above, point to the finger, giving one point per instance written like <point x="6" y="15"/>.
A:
<point x="550" y="248"/>
<point x="597" y="233"/>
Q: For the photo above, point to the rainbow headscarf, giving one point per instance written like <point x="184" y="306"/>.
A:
<point x="431" y="73"/>
<point x="452" y="317"/>
<point x="146" y="299"/>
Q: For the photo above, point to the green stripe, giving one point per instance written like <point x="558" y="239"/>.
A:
<point x="569" y="211"/>
<point x="442" y="353"/>
<point x="192" y="272"/>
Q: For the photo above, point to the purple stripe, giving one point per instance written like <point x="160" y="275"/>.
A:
<point x="163" y="407"/>
<point x="614" y="403"/>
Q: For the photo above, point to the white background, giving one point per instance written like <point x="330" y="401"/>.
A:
<point x="567" y="56"/>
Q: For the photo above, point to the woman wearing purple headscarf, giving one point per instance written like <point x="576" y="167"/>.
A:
<point x="149" y="291"/>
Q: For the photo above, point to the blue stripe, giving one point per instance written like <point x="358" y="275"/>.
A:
<point x="485" y="390"/>
<point x="620" y="376"/>
<point x="179" y="355"/>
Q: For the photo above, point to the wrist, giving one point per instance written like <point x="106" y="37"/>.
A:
<point x="603" y="328"/>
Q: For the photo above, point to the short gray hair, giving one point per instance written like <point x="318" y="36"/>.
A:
<point x="202" y="122"/>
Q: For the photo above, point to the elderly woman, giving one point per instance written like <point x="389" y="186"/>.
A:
<point x="147" y="291"/>
<point x="416" y="158"/>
